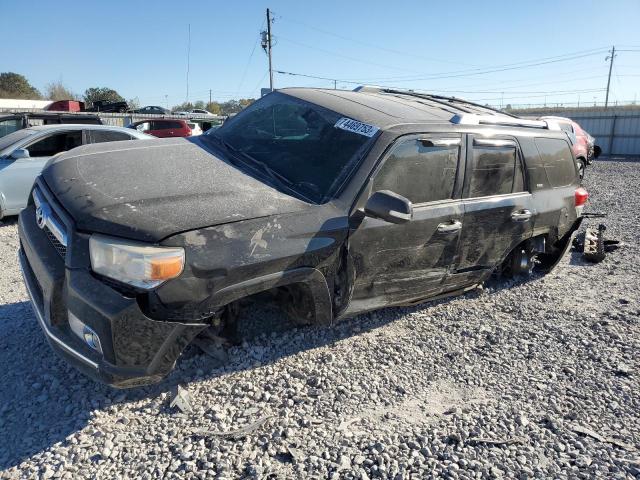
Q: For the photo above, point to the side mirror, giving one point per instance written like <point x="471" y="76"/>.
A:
<point x="596" y="151"/>
<point x="389" y="206"/>
<point x="19" y="153"/>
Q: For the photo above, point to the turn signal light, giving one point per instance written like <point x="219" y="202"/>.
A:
<point x="165" y="268"/>
<point x="581" y="196"/>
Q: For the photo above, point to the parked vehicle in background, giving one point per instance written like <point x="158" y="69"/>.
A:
<point x="108" y="107"/>
<point x="195" y="128"/>
<point x="181" y="113"/>
<point x="16" y="121"/>
<point x="163" y="128"/>
<point x="201" y="113"/>
<point x="582" y="144"/>
<point x="66" y="106"/>
<point x="23" y="153"/>
<point x="152" y="110"/>
<point x="330" y="202"/>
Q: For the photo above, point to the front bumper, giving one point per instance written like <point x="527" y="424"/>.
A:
<point x="136" y="350"/>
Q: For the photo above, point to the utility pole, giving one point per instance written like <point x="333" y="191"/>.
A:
<point x="610" y="57"/>
<point x="209" y="95"/>
<point x="166" y="100"/>
<point x="335" y="84"/>
<point x="266" y="45"/>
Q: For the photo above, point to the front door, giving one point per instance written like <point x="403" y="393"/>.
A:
<point x="498" y="208"/>
<point x="396" y="263"/>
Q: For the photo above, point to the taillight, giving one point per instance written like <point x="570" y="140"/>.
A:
<point x="581" y="196"/>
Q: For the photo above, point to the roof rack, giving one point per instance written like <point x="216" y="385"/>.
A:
<point x="473" y="119"/>
<point x="469" y="117"/>
<point x="441" y="99"/>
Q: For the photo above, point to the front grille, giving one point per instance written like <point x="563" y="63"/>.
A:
<point x="60" y="248"/>
<point x="52" y="222"/>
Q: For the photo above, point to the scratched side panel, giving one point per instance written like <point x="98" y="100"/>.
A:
<point x="224" y="255"/>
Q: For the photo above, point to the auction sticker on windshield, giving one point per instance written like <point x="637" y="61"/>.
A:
<point x="356" y="127"/>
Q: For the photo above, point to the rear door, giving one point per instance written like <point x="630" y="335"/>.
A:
<point x="498" y="208"/>
<point x="402" y="262"/>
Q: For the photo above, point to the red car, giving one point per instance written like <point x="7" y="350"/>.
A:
<point x="582" y="143"/>
<point x="163" y="128"/>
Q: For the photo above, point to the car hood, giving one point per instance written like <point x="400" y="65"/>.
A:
<point x="153" y="189"/>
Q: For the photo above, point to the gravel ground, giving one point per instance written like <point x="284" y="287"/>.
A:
<point x="519" y="380"/>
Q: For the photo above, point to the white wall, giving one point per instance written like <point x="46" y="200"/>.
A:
<point x="17" y="104"/>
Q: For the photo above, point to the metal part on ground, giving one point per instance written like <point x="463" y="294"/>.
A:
<point x="593" y="244"/>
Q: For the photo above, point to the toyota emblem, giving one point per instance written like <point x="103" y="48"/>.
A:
<point x="40" y="218"/>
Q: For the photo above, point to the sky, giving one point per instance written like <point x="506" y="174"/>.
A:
<point x="495" y="52"/>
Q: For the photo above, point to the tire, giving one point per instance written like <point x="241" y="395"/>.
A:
<point x="581" y="167"/>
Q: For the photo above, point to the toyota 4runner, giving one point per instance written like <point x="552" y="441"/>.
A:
<point x="337" y="202"/>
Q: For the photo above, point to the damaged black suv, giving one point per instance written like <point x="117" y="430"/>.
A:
<point x="338" y="202"/>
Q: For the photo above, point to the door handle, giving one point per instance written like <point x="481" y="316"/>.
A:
<point x="450" y="227"/>
<point x="521" y="215"/>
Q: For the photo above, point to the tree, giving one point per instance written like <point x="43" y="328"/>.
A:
<point x="134" y="103"/>
<point x="58" y="91"/>
<point x="183" y="107"/>
<point x="101" y="94"/>
<point x="234" y="106"/>
<point x="213" y="107"/>
<point x="199" y="104"/>
<point x="14" y="85"/>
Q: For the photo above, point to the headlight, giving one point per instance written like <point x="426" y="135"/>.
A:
<point x="135" y="263"/>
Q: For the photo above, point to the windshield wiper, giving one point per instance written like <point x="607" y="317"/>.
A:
<point x="276" y="177"/>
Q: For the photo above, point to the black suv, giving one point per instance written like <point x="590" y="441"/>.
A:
<point x="337" y="202"/>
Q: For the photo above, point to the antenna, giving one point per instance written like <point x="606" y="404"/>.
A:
<point x="188" y="60"/>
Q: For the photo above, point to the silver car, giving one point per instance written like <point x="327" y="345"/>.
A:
<point x="25" y="152"/>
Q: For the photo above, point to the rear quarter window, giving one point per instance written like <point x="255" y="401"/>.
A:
<point x="557" y="161"/>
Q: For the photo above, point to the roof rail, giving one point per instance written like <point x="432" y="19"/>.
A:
<point x="367" y="88"/>
<point x="473" y="119"/>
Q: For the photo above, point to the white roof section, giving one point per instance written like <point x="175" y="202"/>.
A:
<point x="24" y="104"/>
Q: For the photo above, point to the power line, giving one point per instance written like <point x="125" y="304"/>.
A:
<point x="367" y="44"/>
<point x="246" y="68"/>
<point x="552" y="92"/>
<point x="486" y="71"/>
<point x="260" y="82"/>
<point x="340" y="55"/>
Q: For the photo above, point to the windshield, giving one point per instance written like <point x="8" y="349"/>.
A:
<point x="14" y="137"/>
<point x="302" y="144"/>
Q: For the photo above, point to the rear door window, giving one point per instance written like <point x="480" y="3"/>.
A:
<point x="99" y="136"/>
<point x="421" y="170"/>
<point x="166" y="125"/>
<point x="557" y="161"/>
<point x="59" y="142"/>
<point x="495" y="169"/>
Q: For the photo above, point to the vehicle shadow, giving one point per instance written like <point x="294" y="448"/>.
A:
<point x="9" y="221"/>
<point x="45" y="400"/>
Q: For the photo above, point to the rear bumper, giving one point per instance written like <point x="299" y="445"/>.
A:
<point x="136" y="350"/>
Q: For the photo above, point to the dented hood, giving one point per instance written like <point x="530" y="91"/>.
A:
<point x="150" y="190"/>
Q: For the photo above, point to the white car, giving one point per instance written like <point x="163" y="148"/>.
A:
<point x="195" y="129"/>
<point x="24" y="153"/>
<point x="199" y="112"/>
